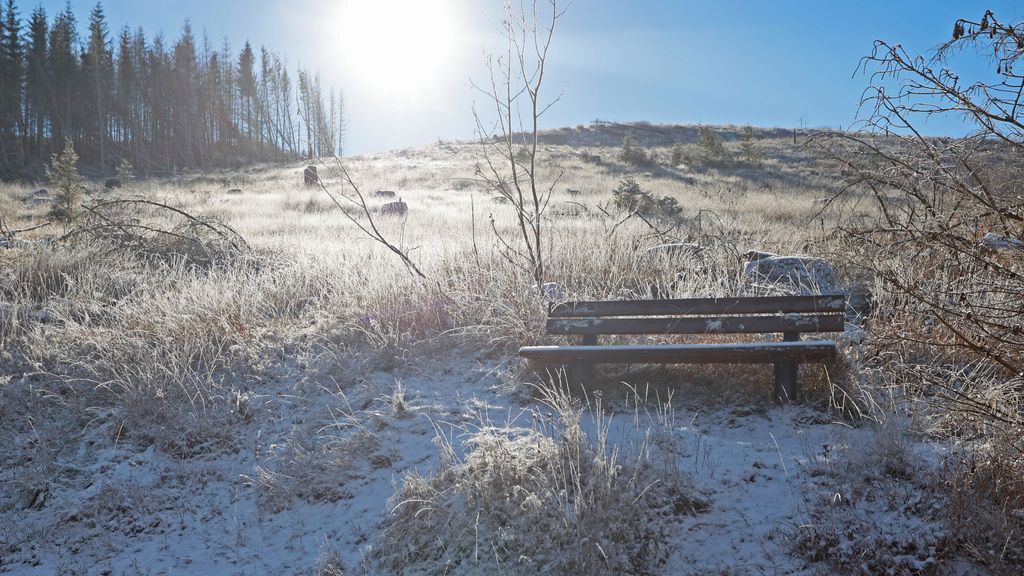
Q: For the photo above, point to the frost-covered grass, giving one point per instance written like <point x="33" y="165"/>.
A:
<point x="310" y="405"/>
<point x="547" y="497"/>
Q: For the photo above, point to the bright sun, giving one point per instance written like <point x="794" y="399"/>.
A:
<point x="398" y="48"/>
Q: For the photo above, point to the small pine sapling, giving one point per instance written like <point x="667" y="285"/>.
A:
<point x="125" y="172"/>
<point x="750" y="150"/>
<point x="63" y="174"/>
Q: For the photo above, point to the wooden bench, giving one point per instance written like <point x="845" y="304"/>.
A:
<point x="788" y="315"/>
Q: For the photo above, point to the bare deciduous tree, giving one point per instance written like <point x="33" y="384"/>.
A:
<point x="947" y="240"/>
<point x="510" y="140"/>
<point x="945" y="244"/>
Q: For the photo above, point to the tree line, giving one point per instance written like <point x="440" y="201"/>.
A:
<point x="160" y="105"/>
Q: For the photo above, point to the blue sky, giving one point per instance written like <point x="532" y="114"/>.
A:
<point x="778" y="63"/>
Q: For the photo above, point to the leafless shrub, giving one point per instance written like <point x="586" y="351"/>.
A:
<point x="946" y="243"/>
<point x="157" y="232"/>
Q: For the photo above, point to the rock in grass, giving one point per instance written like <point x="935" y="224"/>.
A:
<point x="993" y="241"/>
<point x="767" y="273"/>
<point x="550" y="291"/>
<point x="310" y="177"/>
<point x="398" y="208"/>
<point x="41" y="196"/>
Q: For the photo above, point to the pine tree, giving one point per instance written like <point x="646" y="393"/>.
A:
<point x="125" y="98"/>
<point x="247" y="88"/>
<point x="63" y="175"/>
<point x="342" y="124"/>
<point x="98" y="73"/>
<point x="63" y="71"/>
<point x="12" y="71"/>
<point x="184" y="80"/>
<point x="125" y="173"/>
<point x="37" y="82"/>
<point x="749" y="148"/>
<point x="157" y="105"/>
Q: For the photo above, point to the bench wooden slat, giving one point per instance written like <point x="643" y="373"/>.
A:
<point x="721" y="325"/>
<point x="750" y="353"/>
<point x="746" y="305"/>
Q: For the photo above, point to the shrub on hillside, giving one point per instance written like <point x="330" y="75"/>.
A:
<point x="712" y="147"/>
<point x="629" y="196"/>
<point x="678" y="156"/>
<point x="633" y="153"/>
<point x="750" y="150"/>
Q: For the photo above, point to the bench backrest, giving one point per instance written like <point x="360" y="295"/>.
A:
<point x="786" y="314"/>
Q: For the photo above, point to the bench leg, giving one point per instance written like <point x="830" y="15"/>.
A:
<point x="574" y="376"/>
<point x="579" y="372"/>
<point x="786" y="386"/>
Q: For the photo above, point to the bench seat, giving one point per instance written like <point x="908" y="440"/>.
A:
<point x="745" y="353"/>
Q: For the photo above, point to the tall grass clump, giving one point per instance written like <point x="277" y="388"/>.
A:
<point x="161" y="344"/>
<point x="548" y="498"/>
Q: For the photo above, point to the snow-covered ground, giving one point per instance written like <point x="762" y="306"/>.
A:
<point x="314" y="461"/>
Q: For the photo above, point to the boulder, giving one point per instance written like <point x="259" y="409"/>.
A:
<point x="398" y="208"/>
<point x="550" y="291"/>
<point x="568" y="210"/>
<point x="767" y="273"/>
<point x="852" y="334"/>
<point x="111" y="183"/>
<point x="384" y="194"/>
<point x="17" y="243"/>
<point x="752" y="255"/>
<point x="41" y="196"/>
<point x="12" y="243"/>
<point x="993" y="241"/>
<point x="310" y="177"/>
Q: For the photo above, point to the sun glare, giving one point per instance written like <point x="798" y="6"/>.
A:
<point x="398" y="48"/>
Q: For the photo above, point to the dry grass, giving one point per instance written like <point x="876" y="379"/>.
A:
<point x="881" y="511"/>
<point x="167" y="345"/>
<point x="161" y="351"/>
<point x="548" y="498"/>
